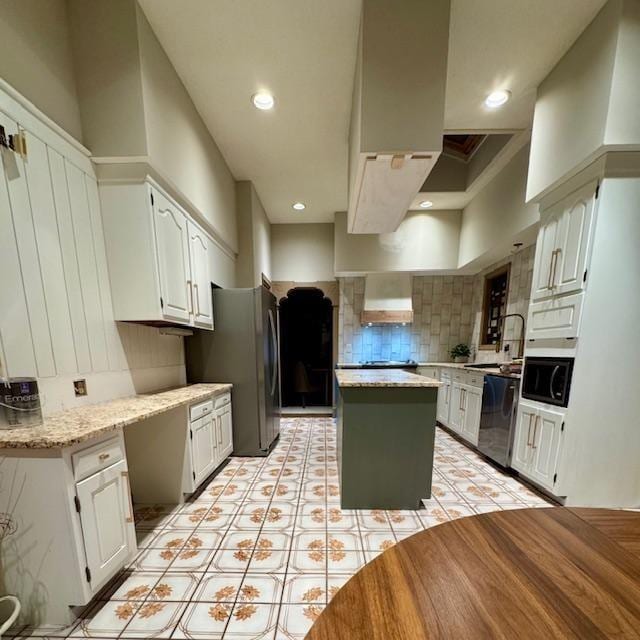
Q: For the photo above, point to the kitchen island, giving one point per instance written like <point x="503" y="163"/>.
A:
<point x="386" y="431"/>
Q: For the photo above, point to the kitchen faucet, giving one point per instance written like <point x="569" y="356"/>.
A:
<point x="520" y="342"/>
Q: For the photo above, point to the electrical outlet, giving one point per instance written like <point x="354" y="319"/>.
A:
<point x="80" y="387"/>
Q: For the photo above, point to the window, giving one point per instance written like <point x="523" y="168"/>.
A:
<point x="496" y="288"/>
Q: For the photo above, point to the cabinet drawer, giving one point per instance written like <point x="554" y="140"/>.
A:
<point x="445" y="375"/>
<point x="223" y="400"/>
<point x="428" y="372"/>
<point x="94" y="459"/>
<point x="475" y="379"/>
<point x="201" y="409"/>
<point x="555" y="318"/>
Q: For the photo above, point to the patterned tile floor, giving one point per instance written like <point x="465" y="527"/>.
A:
<point x="260" y="552"/>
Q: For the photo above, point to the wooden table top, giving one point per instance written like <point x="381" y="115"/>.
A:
<point x="552" y="573"/>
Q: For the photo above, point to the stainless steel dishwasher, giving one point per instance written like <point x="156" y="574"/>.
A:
<point x="498" y="417"/>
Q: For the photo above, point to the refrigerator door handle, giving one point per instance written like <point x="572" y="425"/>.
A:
<point x="274" y="340"/>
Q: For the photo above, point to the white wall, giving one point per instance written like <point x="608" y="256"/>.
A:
<point x="302" y="252"/>
<point x="423" y="242"/>
<point x="35" y="58"/>
<point x="106" y="59"/>
<point x="134" y="107"/>
<point x="572" y="103"/>
<point x="254" y="237"/>
<point x="180" y="145"/>
<point x="498" y="216"/>
<point x="590" y="101"/>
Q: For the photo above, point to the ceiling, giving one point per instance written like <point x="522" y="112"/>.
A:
<point x="303" y="51"/>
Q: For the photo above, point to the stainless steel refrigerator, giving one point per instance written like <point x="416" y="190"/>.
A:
<point x="243" y="350"/>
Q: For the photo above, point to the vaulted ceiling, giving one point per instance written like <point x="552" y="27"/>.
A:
<point x="303" y="51"/>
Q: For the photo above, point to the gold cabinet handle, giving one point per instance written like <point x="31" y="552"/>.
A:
<point x="104" y="456"/>
<point x="197" y="297"/>
<point x="555" y="266"/>
<point x="535" y="429"/>
<point x="125" y="475"/>
<point x="190" y="296"/>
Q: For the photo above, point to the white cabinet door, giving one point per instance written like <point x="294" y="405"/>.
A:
<point x="456" y="410"/>
<point x="522" y="452"/>
<point x="572" y="241"/>
<point x="545" y="255"/>
<point x="200" y="276"/>
<point x="106" y="517"/>
<point x="172" y="249"/>
<point x="472" y="409"/>
<point x="545" y="443"/>
<point x="444" y="396"/>
<point x="226" y="432"/>
<point x="203" y="448"/>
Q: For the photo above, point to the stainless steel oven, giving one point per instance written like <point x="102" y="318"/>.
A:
<point x="547" y="380"/>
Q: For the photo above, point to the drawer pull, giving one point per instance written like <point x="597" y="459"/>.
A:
<point x="125" y="475"/>
<point x="104" y="456"/>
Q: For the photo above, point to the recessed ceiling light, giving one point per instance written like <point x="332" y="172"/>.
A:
<point x="299" y="206"/>
<point x="263" y="100"/>
<point x="426" y="204"/>
<point x="497" y="98"/>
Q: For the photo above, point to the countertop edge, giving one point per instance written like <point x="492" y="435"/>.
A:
<point x="42" y="442"/>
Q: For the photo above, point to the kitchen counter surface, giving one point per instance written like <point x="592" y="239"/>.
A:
<point x="69" y="427"/>
<point x="458" y="365"/>
<point x="445" y="365"/>
<point x="382" y="378"/>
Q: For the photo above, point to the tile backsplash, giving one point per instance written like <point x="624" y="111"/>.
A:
<point x="447" y="311"/>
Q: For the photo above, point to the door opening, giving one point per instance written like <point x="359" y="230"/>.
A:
<point x="306" y="348"/>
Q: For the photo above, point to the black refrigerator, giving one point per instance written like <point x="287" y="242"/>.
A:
<point x="243" y="350"/>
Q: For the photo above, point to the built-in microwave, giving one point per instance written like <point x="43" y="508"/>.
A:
<point x="547" y="380"/>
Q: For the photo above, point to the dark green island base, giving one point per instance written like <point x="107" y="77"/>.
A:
<point x="385" y="441"/>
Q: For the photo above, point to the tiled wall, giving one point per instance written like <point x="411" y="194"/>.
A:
<point x="447" y="310"/>
<point x="521" y="275"/>
<point x="442" y="307"/>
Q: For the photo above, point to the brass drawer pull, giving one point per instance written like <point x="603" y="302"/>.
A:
<point x="104" y="456"/>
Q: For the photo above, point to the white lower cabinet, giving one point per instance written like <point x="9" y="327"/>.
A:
<point x="444" y="399"/>
<point x="70" y="527"/>
<point x="203" y="447"/>
<point x="456" y="411"/>
<point x="464" y="411"/>
<point x="472" y="406"/>
<point x="211" y="435"/>
<point x="107" y="518"/>
<point x="225" y="430"/>
<point x="538" y="441"/>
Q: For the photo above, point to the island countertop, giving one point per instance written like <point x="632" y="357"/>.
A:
<point x="383" y="378"/>
<point x="69" y="427"/>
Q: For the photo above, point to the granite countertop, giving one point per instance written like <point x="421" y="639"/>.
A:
<point x="383" y="378"/>
<point x="458" y="365"/>
<point x="69" y="427"/>
<point x="445" y="365"/>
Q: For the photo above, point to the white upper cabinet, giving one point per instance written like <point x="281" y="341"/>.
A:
<point x="572" y="241"/>
<point x="545" y="247"/>
<point x="159" y="258"/>
<point x="561" y="250"/>
<point x="560" y="270"/>
<point x="170" y="226"/>
<point x="201" y="278"/>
